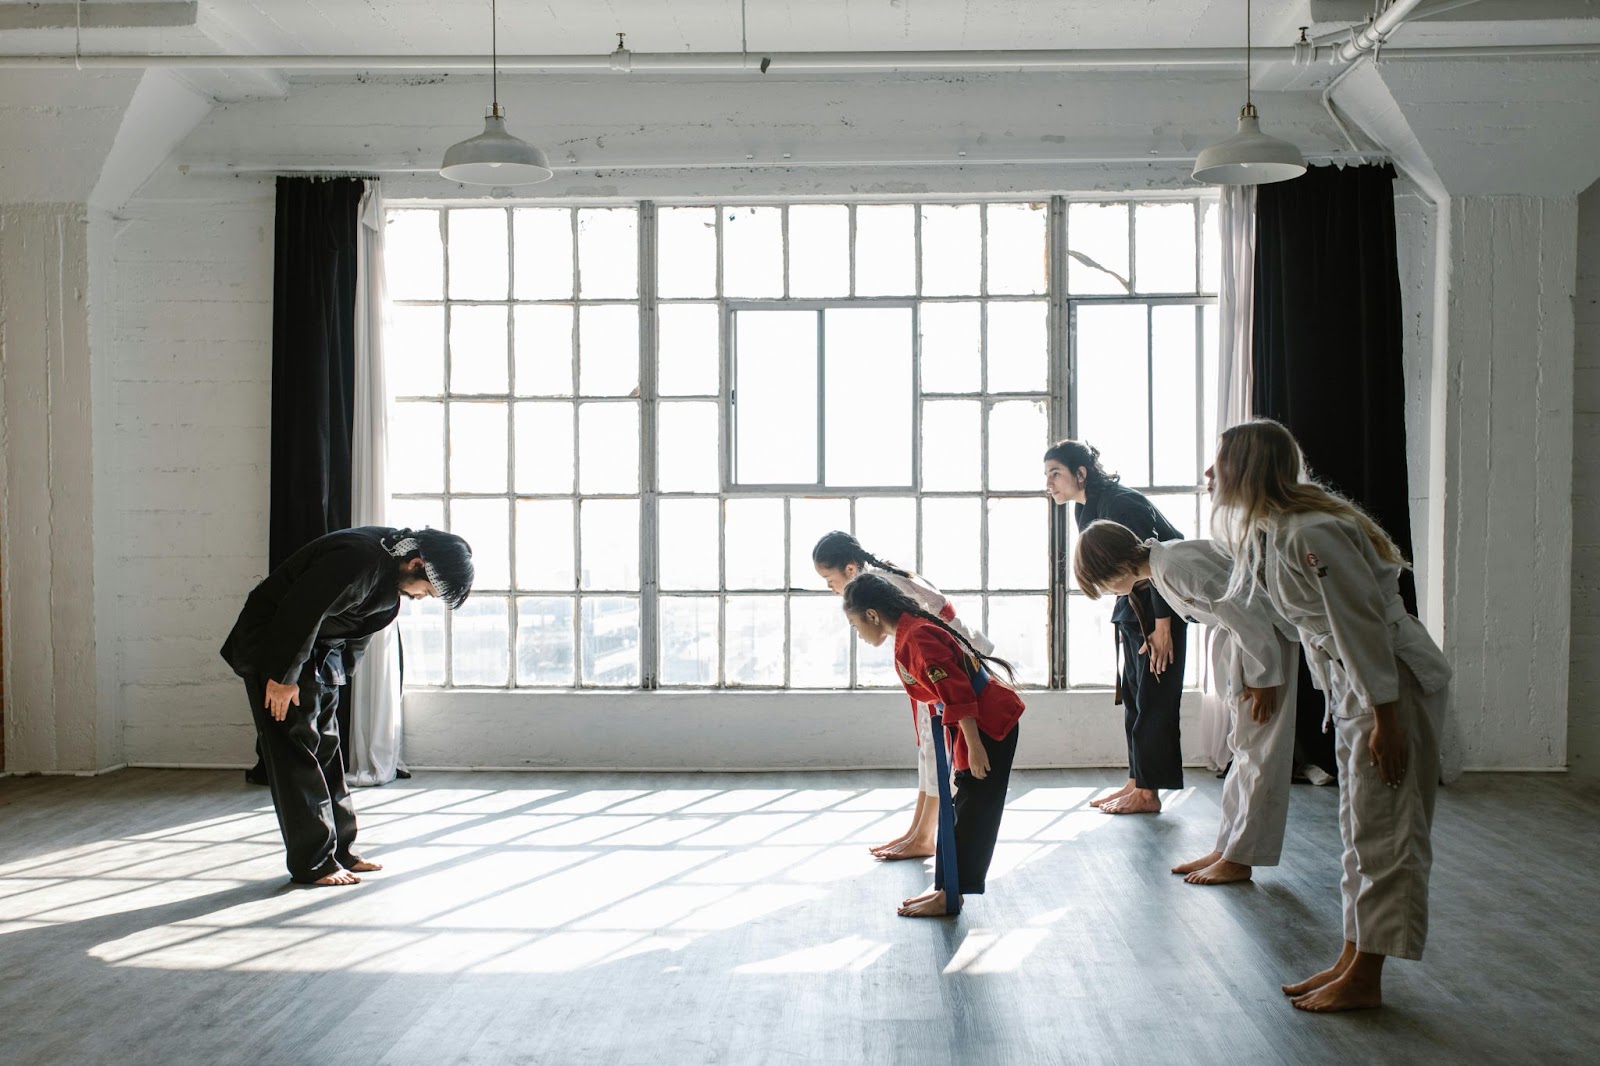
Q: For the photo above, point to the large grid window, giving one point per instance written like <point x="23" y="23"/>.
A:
<point x="643" y="418"/>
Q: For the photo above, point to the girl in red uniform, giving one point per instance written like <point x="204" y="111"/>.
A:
<point x="940" y="667"/>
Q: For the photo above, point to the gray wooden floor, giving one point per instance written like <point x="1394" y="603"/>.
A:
<point x="565" y="918"/>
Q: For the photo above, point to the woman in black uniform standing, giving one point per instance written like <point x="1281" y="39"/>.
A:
<point x="1150" y="636"/>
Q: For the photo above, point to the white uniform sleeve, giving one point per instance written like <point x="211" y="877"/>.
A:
<point x="1195" y="574"/>
<point x="935" y="602"/>
<point x="1334" y="567"/>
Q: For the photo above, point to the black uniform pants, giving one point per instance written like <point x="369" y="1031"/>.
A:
<point x="1150" y="710"/>
<point x="306" y="775"/>
<point x="979" y="805"/>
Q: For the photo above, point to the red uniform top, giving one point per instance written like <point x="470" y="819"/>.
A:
<point x="935" y="668"/>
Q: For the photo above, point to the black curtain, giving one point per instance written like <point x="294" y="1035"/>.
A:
<point x="1327" y="359"/>
<point x="313" y="369"/>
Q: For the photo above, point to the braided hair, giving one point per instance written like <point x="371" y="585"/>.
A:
<point x="838" y="549"/>
<point x="1074" y="454"/>
<point x="869" y="592"/>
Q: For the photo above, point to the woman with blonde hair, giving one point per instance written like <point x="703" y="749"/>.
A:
<point x="1333" y="573"/>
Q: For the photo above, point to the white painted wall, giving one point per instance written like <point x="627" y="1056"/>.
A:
<point x="1583" y="714"/>
<point x="1416" y="227"/>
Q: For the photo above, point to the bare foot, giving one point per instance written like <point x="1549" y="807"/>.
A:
<point x="907" y="849"/>
<point x="338" y="877"/>
<point x="1198" y="864"/>
<point x="1118" y="794"/>
<point x="895" y="843"/>
<point x="931" y="905"/>
<point x="362" y="866"/>
<point x="1139" y="801"/>
<point x="1221" y="872"/>
<point x="1352" y="990"/>
<point x="930" y="894"/>
<point x="1317" y="980"/>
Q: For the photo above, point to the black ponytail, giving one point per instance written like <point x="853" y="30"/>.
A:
<point x="869" y="592"/>
<point x="839" y="549"/>
<point x="1073" y="454"/>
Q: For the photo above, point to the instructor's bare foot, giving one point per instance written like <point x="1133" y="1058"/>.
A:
<point x="338" y="877"/>
<point x="1198" y="864"/>
<point x="362" y="866"/>
<point x="929" y="905"/>
<point x="1317" y="980"/>
<point x="1349" y="991"/>
<point x="906" y="849"/>
<point x="1139" y="801"/>
<point x="1101" y="801"/>
<point x="1221" y="872"/>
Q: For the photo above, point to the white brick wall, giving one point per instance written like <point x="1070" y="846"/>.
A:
<point x="190" y="390"/>
<point x="1583" y="723"/>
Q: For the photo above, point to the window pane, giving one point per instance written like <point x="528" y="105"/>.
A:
<point x="952" y="259"/>
<point x="416" y="447"/>
<point x="808" y="521"/>
<point x="951" y="543"/>
<point x="688" y="544"/>
<point x="1174" y="406"/>
<point x="1017" y="256"/>
<point x="887" y="527"/>
<point x="867" y="353"/>
<point x="1211" y="337"/>
<point x="479" y="265"/>
<point x="544" y="640"/>
<point x="1164" y="247"/>
<point x="689" y="647"/>
<point x="775" y="412"/>
<point x="1097" y="248"/>
<point x="687" y="456"/>
<point x="752" y="251"/>
<point x="885" y="247"/>
<point x="542" y="237"/>
<point x="1019" y="346"/>
<point x="610" y="641"/>
<point x="544" y="546"/>
<point x="753" y="645"/>
<point x="486" y="526"/>
<point x="422" y="629"/>
<point x="413" y="351"/>
<point x="480" y="641"/>
<point x="1019" y="544"/>
<point x="1091" y="651"/>
<point x="687" y="251"/>
<point x="610" y="545"/>
<point x="874" y="666"/>
<point x="1180" y="511"/>
<point x="544" y="447"/>
<point x="608" y="350"/>
<point x="1210" y="247"/>
<point x="819" y="250"/>
<point x="608" y="253"/>
<point x="1019" y="625"/>
<point x="952" y="445"/>
<point x="1019" y="432"/>
<point x="478" y="349"/>
<point x="1113" y="391"/>
<point x="952" y="348"/>
<point x="688" y="355"/>
<point x="754" y="548"/>
<point x="413" y="513"/>
<point x="970" y="610"/>
<point x="608" y="442"/>
<point x="544" y="345"/>
<point x="478" y="446"/>
<point x="413" y="257"/>
<point x="819" y="643"/>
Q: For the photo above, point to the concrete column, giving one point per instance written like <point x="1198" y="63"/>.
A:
<point x="1583" y="701"/>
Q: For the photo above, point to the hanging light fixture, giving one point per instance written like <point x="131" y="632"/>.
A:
<point x="1249" y="157"/>
<point x="495" y="157"/>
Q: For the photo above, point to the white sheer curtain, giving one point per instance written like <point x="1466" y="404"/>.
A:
<point x="375" y="709"/>
<point x="1236" y="315"/>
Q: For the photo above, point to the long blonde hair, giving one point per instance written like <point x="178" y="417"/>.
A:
<point x="1261" y="475"/>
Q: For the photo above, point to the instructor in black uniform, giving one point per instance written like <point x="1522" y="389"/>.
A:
<point x="1150" y="636"/>
<point x="301" y="633"/>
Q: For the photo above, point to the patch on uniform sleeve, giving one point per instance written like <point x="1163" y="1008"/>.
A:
<point x="936" y="675"/>
<point x="1316" y="564"/>
<point x="906" y="676"/>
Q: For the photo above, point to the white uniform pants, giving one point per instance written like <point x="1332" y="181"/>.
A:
<point x="1255" y="795"/>
<point x="1388" y="849"/>
<point x="927" y="768"/>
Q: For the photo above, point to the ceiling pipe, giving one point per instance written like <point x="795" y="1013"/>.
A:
<point x="1425" y="11"/>
<point x="1373" y="34"/>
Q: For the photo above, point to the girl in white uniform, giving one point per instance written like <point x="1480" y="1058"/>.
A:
<point x="839" y="558"/>
<point x="1256" y="664"/>
<point x="1333" y="573"/>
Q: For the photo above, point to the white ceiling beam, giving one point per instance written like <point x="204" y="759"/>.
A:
<point x="161" y="14"/>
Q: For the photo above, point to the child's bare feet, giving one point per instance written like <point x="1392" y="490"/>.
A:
<point x="911" y="848"/>
<point x="1360" y="987"/>
<point x="1118" y="794"/>
<point x="895" y="843"/>
<point x="338" y="877"/>
<point x="1139" y="801"/>
<point x="1346" y="956"/>
<point x="362" y="866"/>
<point x="1221" y="872"/>
<point x="1198" y="864"/>
<point x="927" y="905"/>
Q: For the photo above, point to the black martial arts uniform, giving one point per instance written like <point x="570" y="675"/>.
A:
<point x="307" y="623"/>
<point x="1150" y="704"/>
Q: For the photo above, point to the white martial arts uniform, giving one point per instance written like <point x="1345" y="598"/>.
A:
<point x="934" y="602"/>
<point x="1365" y="650"/>
<point x="1251" y="645"/>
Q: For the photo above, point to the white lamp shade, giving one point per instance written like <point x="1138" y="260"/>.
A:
<point x="495" y="157"/>
<point x="1249" y="157"/>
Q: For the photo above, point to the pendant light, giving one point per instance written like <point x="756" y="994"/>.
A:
<point x="1249" y="157"/>
<point x="495" y="157"/>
